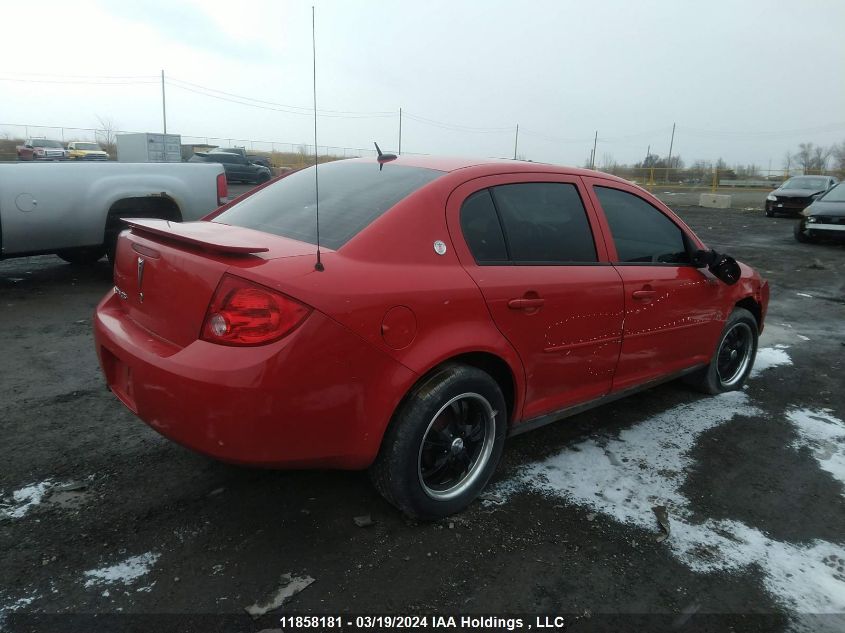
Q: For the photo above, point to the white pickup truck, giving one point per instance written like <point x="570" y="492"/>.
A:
<point x="74" y="210"/>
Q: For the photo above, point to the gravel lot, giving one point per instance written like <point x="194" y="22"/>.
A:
<point x="102" y="516"/>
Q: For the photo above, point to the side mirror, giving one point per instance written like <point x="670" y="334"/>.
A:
<point x="723" y="267"/>
<point x="28" y="146"/>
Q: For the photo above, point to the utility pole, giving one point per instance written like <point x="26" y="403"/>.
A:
<point x="400" y="130"/>
<point x="516" y="141"/>
<point x="593" y="158"/>
<point x="647" y="154"/>
<point x="669" y="160"/>
<point x="163" y="104"/>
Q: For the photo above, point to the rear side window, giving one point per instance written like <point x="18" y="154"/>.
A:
<point x="544" y="223"/>
<point x="642" y="233"/>
<point x="482" y="230"/>
<point x="352" y="195"/>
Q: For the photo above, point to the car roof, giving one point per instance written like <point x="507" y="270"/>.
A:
<point x="488" y="166"/>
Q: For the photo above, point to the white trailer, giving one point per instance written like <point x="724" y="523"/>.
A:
<point x="148" y="147"/>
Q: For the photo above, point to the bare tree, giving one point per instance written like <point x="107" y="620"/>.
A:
<point x="839" y="157"/>
<point x="608" y="163"/>
<point x="106" y="135"/>
<point x="821" y="156"/>
<point x="812" y="158"/>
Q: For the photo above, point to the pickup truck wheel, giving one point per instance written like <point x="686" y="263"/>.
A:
<point x="733" y="358"/>
<point x="78" y="256"/>
<point x="443" y="443"/>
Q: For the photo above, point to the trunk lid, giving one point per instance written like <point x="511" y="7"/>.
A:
<point x="167" y="272"/>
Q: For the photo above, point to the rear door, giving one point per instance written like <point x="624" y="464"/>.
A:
<point x="527" y="240"/>
<point x="672" y="308"/>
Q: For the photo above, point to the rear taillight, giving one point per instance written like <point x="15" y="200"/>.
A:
<point x="222" y="189"/>
<point x="244" y="313"/>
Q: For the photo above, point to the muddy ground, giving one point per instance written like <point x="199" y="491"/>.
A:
<point x="103" y="517"/>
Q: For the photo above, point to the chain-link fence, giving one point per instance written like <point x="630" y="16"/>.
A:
<point x="701" y="177"/>
<point x="279" y="153"/>
<point x="709" y="179"/>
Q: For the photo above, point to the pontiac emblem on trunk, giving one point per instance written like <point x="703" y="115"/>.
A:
<point x="140" y="278"/>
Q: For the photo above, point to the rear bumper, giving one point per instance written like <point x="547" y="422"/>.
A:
<point x="321" y="397"/>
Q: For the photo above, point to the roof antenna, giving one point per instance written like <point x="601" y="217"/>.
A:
<point x="382" y="157"/>
<point x="318" y="266"/>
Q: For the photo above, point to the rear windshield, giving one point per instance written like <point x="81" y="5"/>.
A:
<point x="352" y="195"/>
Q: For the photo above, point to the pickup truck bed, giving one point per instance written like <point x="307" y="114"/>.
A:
<point x="75" y="210"/>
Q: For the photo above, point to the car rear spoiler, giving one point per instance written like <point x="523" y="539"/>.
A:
<point x="210" y="236"/>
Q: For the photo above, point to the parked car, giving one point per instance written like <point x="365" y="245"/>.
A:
<point x="41" y="149"/>
<point x="76" y="211"/>
<point x="796" y="194"/>
<point x="79" y="150"/>
<point x="238" y="168"/>
<point x="824" y="218"/>
<point x="253" y="158"/>
<point x="450" y="304"/>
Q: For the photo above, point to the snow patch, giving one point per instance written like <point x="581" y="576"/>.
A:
<point x="643" y="467"/>
<point x="17" y="605"/>
<point x="824" y="435"/>
<point x="125" y="572"/>
<point x="647" y="464"/>
<point x="768" y="357"/>
<point x="26" y="498"/>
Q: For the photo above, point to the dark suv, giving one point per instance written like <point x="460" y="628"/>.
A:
<point x="237" y="167"/>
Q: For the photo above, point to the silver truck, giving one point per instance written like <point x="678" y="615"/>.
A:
<point x="74" y="210"/>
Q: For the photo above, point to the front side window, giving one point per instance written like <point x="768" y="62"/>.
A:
<point x="544" y="223"/>
<point x="642" y="233"/>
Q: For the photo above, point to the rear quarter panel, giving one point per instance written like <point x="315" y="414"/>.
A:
<point x="393" y="263"/>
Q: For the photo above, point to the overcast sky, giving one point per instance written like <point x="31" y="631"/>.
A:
<point x="744" y="80"/>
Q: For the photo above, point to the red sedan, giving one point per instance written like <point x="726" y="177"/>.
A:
<point x="458" y="302"/>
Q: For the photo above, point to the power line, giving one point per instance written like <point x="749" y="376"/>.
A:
<point x="457" y="127"/>
<point x="66" y="76"/>
<point x="79" y="81"/>
<point x="309" y="110"/>
<point x="760" y="134"/>
<point x="286" y="110"/>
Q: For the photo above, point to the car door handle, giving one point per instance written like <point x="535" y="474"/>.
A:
<point x="526" y="304"/>
<point x="643" y="295"/>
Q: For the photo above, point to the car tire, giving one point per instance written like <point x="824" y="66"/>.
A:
<point x="443" y="443"/>
<point x="733" y="358"/>
<point x="770" y="213"/>
<point x="800" y="236"/>
<point x="82" y="256"/>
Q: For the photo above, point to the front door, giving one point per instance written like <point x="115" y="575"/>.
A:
<point x="528" y="244"/>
